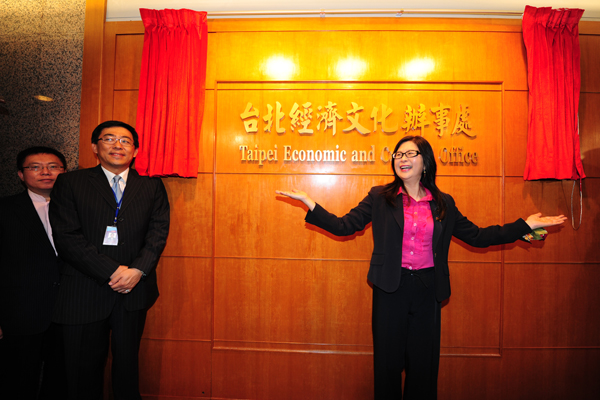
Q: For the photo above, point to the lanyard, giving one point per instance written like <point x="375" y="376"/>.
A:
<point x="118" y="206"/>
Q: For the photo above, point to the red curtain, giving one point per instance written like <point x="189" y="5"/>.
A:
<point x="552" y="41"/>
<point x="171" y="94"/>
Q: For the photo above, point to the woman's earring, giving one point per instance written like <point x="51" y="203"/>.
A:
<point x="424" y="172"/>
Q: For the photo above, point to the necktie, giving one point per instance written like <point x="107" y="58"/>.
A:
<point x="117" y="188"/>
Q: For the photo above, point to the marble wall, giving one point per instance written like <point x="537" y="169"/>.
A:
<point x="41" y="53"/>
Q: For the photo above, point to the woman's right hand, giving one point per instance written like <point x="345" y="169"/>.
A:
<point x="299" y="195"/>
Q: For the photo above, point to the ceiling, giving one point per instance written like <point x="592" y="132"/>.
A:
<point x="128" y="10"/>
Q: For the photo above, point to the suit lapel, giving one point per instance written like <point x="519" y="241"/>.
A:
<point x="98" y="180"/>
<point x="399" y="212"/>
<point x="27" y="214"/>
<point x="437" y="225"/>
<point x="134" y="183"/>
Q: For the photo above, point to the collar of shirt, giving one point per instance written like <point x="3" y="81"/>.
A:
<point x="428" y="196"/>
<point x="37" y="198"/>
<point x="41" y="207"/>
<point x="110" y="176"/>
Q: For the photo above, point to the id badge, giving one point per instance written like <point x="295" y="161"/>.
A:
<point x="111" y="237"/>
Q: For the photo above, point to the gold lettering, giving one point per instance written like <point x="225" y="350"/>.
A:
<point x="286" y="153"/>
<point x="243" y="149"/>
<point x="444" y="156"/>
<point x="383" y="152"/>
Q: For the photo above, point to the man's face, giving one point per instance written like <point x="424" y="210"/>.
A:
<point x="117" y="156"/>
<point x="42" y="181"/>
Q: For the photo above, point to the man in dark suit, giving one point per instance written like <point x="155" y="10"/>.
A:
<point x="29" y="275"/>
<point x="110" y="226"/>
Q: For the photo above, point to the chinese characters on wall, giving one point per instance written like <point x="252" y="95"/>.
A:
<point x="307" y="119"/>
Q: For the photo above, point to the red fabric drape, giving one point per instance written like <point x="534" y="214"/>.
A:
<point x="552" y="41"/>
<point x="171" y="94"/>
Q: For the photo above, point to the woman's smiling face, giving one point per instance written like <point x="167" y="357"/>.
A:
<point x="409" y="169"/>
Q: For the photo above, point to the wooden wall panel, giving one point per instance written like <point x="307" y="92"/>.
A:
<point x="590" y="59"/>
<point x="482" y="373"/>
<point x="93" y="37"/>
<point x="128" y="59"/>
<point x="325" y="305"/>
<point x="515" y="137"/>
<point x="301" y="375"/>
<point x="563" y="244"/>
<point x="185" y="286"/>
<point x="550" y="374"/>
<point x="589" y="133"/>
<point x="252" y="221"/>
<point x="470" y="326"/>
<point x="191" y="228"/>
<point x="418" y="56"/>
<point x="175" y="368"/>
<point x="125" y="106"/>
<point x="552" y="305"/>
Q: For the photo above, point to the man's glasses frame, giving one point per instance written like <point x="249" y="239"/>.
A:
<point x="110" y="140"/>
<point x="38" y="168"/>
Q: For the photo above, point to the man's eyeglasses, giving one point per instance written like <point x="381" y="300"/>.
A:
<point x="409" y="154"/>
<point x="38" y="168"/>
<point x="110" y="140"/>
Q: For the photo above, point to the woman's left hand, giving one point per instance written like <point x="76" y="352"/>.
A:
<point x="537" y="221"/>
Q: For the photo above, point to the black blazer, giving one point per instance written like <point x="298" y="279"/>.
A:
<point x="388" y="227"/>
<point x="29" y="276"/>
<point x="82" y="206"/>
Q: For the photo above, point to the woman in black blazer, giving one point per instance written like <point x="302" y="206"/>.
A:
<point x="409" y="287"/>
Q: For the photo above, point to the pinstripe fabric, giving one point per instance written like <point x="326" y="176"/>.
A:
<point x="28" y="268"/>
<point x="82" y="206"/>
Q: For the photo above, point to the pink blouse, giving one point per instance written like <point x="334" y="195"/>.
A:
<point x="417" y="243"/>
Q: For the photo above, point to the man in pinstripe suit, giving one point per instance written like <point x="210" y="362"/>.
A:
<point x="110" y="226"/>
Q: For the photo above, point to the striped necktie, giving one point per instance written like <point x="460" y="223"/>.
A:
<point x="117" y="188"/>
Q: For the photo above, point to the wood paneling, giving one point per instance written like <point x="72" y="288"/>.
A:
<point x="191" y="228"/>
<point x="252" y="221"/>
<point x="386" y="55"/>
<point x="324" y="304"/>
<point x="128" y="61"/>
<point x="552" y="305"/>
<point x="515" y="138"/>
<point x="95" y="14"/>
<point x="589" y="133"/>
<point x="175" y="368"/>
<point x="470" y="326"/>
<point x="550" y="374"/>
<point x="590" y="59"/>
<point x="185" y="289"/>
<point x="279" y="375"/>
<point x="563" y="244"/>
